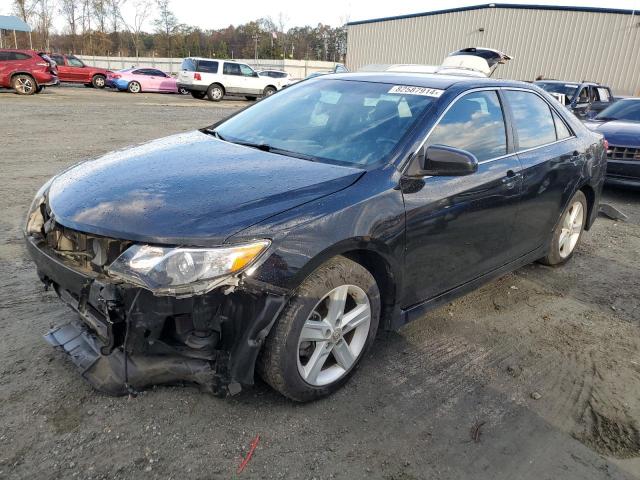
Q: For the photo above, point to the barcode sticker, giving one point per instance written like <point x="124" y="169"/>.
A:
<point x="409" y="90"/>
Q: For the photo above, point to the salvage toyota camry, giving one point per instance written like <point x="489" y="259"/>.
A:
<point x="280" y="240"/>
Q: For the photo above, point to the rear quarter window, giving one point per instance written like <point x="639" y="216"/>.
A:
<point x="207" y="66"/>
<point x="188" y="65"/>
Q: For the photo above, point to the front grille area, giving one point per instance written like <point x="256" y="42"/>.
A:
<point x="90" y="252"/>
<point x="623" y="153"/>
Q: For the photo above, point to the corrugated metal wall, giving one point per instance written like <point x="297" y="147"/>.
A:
<point x="562" y="44"/>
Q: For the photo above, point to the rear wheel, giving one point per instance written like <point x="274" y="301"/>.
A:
<point x="215" y="92"/>
<point x="98" y="81"/>
<point x="183" y="91"/>
<point x="24" y="84"/>
<point x="134" y="87"/>
<point x="323" y="332"/>
<point x="568" y="232"/>
<point x="268" y="91"/>
<point x="198" y="95"/>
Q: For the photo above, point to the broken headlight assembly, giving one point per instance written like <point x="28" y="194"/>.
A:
<point x="184" y="271"/>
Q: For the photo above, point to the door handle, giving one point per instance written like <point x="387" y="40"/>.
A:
<point x="510" y="180"/>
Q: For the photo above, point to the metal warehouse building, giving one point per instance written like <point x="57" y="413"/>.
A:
<point x="567" y="43"/>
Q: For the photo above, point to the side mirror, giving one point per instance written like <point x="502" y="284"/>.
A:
<point x="443" y="161"/>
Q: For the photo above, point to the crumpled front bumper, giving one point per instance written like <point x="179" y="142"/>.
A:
<point x="127" y="338"/>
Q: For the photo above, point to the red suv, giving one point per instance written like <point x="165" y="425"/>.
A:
<point x="72" y="69"/>
<point x="26" y="71"/>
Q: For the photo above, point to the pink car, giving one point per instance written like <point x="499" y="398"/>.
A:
<point x="136" y="80"/>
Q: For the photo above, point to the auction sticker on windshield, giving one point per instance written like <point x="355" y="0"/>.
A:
<point x="409" y="90"/>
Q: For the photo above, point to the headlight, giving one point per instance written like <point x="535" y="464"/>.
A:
<point x="35" y="220"/>
<point x="175" y="271"/>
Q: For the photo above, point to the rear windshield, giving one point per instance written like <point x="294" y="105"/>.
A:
<point x="189" y="65"/>
<point x="337" y="121"/>
<point x="207" y="66"/>
<point x="566" y="89"/>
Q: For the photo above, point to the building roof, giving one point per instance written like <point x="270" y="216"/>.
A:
<point x="9" y="22"/>
<point x="500" y="5"/>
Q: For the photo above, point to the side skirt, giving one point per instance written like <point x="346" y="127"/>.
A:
<point x="417" y="311"/>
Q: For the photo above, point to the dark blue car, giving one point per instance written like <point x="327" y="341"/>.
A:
<point x="281" y="239"/>
<point x="620" y="125"/>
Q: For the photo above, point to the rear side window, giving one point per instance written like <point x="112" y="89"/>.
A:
<point x="562" y="131"/>
<point x="188" y="65"/>
<point x="532" y="119"/>
<point x="59" y="59"/>
<point x="474" y="123"/>
<point x="4" y="56"/>
<point x="231" y="69"/>
<point x="207" y="66"/>
<point x="603" y="94"/>
<point x="7" y="56"/>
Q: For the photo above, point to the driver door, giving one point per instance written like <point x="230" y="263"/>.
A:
<point x="459" y="228"/>
<point x="253" y="84"/>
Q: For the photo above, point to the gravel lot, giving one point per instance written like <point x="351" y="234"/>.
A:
<point x="534" y="376"/>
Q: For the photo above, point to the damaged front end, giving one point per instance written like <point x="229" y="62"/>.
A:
<point x="138" y="325"/>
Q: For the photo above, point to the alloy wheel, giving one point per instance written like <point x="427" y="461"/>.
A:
<point x="25" y="85"/>
<point x="571" y="229"/>
<point x="334" y="335"/>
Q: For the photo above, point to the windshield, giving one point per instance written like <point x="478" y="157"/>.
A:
<point x="566" y="89"/>
<point x="621" y="110"/>
<point x="339" y="121"/>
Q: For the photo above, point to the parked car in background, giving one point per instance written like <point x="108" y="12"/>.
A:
<point x="136" y="80"/>
<point x="26" y="71"/>
<point x="584" y="99"/>
<point x="281" y="239"/>
<point x="281" y="79"/>
<point x="339" y="68"/>
<point x="73" y="70"/>
<point x="620" y="125"/>
<point x="213" y="79"/>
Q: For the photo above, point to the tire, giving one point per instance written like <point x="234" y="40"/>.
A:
<point x="98" y="81"/>
<point x="24" y="84"/>
<point x="134" y="87"/>
<point x="268" y="91"/>
<point x="198" y="95"/>
<point x="568" y="231"/>
<point x="251" y="98"/>
<point x="183" y="91"/>
<point x="40" y="89"/>
<point x="286" y="359"/>
<point x="215" y="92"/>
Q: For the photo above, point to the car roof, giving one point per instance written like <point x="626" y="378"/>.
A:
<point x="571" y="81"/>
<point x="428" y="80"/>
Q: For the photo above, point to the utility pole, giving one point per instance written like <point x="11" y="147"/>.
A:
<point x="255" y="40"/>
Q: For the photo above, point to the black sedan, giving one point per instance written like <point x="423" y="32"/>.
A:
<point x="281" y="239"/>
<point x="620" y="125"/>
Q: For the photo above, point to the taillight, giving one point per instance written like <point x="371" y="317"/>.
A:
<point x="196" y="76"/>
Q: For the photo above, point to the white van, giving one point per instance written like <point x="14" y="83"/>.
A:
<point x="216" y="78"/>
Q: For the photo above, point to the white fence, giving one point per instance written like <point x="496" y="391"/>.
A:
<point x="295" y="68"/>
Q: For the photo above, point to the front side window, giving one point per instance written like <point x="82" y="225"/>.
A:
<point x="59" y="59"/>
<point x="336" y="121"/>
<point x="532" y="119"/>
<point x="75" y="62"/>
<point x="474" y="123"/>
<point x="246" y="70"/>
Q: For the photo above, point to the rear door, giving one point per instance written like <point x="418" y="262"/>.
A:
<point x="5" y="69"/>
<point x="550" y="155"/>
<point x="63" y="69"/>
<point x="459" y="228"/>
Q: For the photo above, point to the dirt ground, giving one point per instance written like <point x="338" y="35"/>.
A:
<point x="534" y="376"/>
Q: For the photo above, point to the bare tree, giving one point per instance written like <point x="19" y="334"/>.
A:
<point x="24" y="8"/>
<point x="166" y="22"/>
<point x="43" y="12"/>
<point x="141" y="13"/>
<point x="71" y="11"/>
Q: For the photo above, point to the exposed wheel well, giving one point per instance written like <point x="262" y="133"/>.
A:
<point x="590" y="194"/>
<point x="382" y="273"/>
<point x="22" y="73"/>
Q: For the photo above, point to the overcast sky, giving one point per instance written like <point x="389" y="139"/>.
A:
<point x="211" y="14"/>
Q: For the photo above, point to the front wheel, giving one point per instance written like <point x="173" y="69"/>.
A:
<point x="568" y="232"/>
<point x="134" y="87"/>
<point x="323" y="332"/>
<point x="98" y="81"/>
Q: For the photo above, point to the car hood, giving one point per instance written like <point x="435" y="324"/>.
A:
<point x="187" y="189"/>
<point x="617" y="132"/>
